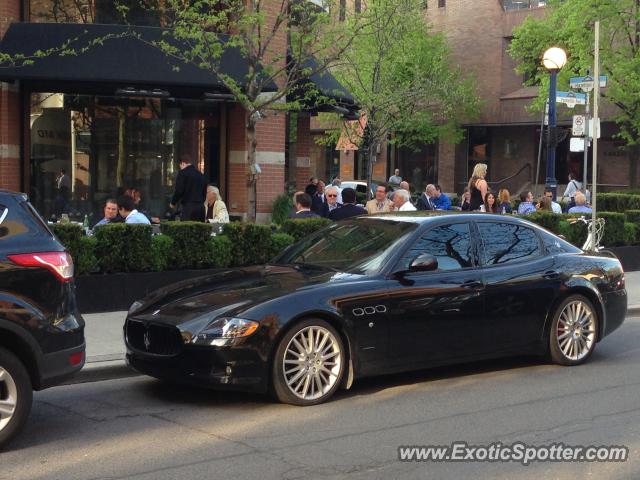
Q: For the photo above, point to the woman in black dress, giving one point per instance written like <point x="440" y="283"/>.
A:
<point x="478" y="186"/>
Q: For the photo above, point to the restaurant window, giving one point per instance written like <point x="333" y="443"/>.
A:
<point x="418" y="165"/>
<point x="479" y="148"/>
<point x="106" y="145"/>
<point x="358" y="6"/>
<point x="342" y="13"/>
<point x="442" y="3"/>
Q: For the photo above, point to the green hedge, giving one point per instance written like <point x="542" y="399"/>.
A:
<point x="632" y="216"/>
<point x="81" y="248"/>
<point x="280" y="241"/>
<point x="251" y="243"/>
<point x="301" y="228"/>
<point x="617" y="202"/>
<point x="630" y="233"/>
<point x="122" y="247"/>
<point x="548" y="220"/>
<point x="190" y="241"/>
<point x="614" y="233"/>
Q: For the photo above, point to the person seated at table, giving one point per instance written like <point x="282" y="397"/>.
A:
<point x="127" y="210"/>
<point x="110" y="212"/>
<point x="215" y="208"/>
<point x="581" y="204"/>
<point x="137" y="197"/>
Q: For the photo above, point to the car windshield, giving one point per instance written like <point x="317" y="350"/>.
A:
<point x="359" y="246"/>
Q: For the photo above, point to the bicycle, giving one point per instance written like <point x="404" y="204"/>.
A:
<point x="594" y="236"/>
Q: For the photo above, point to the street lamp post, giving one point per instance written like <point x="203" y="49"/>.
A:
<point x="553" y="60"/>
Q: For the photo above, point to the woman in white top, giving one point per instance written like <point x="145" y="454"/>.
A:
<point x="572" y="187"/>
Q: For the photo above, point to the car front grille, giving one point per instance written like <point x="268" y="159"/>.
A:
<point x="153" y="338"/>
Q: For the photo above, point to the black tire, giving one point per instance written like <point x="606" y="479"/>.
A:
<point x="280" y="386"/>
<point x="565" y="340"/>
<point x="14" y="376"/>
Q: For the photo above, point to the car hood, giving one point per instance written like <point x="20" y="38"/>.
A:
<point x="229" y="292"/>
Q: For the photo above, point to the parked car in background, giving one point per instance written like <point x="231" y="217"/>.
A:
<point x="380" y="294"/>
<point x="41" y="330"/>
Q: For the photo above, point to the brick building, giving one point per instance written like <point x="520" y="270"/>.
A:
<point x="118" y="116"/>
<point x="505" y="136"/>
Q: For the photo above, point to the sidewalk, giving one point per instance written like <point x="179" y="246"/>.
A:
<point x="105" y="345"/>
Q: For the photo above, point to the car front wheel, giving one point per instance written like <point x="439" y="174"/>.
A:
<point x="15" y="396"/>
<point x="309" y="363"/>
<point x="573" y="332"/>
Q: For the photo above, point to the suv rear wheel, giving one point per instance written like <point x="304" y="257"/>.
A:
<point x="16" y="395"/>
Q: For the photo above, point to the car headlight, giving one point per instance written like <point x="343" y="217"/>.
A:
<point x="223" y="329"/>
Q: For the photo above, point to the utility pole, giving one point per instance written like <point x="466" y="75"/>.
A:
<point x="596" y="98"/>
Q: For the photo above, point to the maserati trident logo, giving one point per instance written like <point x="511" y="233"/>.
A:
<point x="147" y="340"/>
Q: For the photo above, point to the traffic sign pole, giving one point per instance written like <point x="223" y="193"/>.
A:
<point x="586" y="145"/>
<point x="596" y="95"/>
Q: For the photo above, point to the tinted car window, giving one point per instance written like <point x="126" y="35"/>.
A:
<point x="450" y="244"/>
<point x="554" y="245"/>
<point x="508" y="242"/>
<point x="356" y="246"/>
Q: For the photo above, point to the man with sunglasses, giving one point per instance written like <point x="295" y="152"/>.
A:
<point x="555" y="207"/>
<point x="331" y="196"/>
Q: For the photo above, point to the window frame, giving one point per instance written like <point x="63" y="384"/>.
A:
<point x="473" y="236"/>
<point x="481" y="257"/>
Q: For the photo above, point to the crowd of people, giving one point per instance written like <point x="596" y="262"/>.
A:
<point x="334" y="202"/>
<point x="198" y="201"/>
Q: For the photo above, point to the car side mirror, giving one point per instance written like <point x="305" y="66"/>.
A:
<point x="425" y="262"/>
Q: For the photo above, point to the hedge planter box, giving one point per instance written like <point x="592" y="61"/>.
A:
<point x="117" y="291"/>
<point x="629" y="257"/>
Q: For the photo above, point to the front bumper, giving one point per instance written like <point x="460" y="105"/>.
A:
<point x="232" y="368"/>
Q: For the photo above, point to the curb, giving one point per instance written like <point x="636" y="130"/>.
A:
<point x="633" y="310"/>
<point x="102" y="367"/>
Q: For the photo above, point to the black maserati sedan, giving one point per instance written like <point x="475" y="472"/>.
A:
<point x="380" y="294"/>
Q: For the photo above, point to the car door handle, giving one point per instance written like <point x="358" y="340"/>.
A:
<point x="551" y="275"/>
<point x="472" y="284"/>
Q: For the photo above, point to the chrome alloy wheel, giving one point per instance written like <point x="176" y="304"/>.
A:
<point x="8" y="397"/>
<point x="312" y="362"/>
<point x="576" y="330"/>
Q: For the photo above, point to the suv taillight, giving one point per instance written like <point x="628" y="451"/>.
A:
<point x="59" y="263"/>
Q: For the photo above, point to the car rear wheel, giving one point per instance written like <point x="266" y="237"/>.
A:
<point x="573" y="332"/>
<point x="16" y="395"/>
<point x="309" y="364"/>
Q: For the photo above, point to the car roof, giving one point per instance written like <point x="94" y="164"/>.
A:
<point x="12" y="193"/>
<point x="424" y="216"/>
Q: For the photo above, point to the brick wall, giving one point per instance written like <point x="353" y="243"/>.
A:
<point x="10" y="112"/>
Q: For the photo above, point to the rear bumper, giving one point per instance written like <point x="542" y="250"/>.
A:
<point x="615" y="305"/>
<point x="225" y="368"/>
<point x="58" y="366"/>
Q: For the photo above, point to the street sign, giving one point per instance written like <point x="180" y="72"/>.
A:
<point x="571" y="99"/>
<point x="578" y="126"/>
<point x="576" y="144"/>
<point x="586" y="83"/>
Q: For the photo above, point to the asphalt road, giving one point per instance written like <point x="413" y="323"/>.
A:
<point x="139" y="428"/>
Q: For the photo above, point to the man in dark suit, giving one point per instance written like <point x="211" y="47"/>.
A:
<point x="303" y="207"/>
<point x="191" y="190"/>
<point x="425" y="202"/>
<point x="349" y="207"/>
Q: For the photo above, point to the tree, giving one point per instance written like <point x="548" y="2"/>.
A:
<point x="400" y="75"/>
<point x="283" y="43"/>
<point x="570" y="25"/>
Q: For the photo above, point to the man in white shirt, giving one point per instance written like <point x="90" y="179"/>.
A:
<point x="127" y="210"/>
<point x="401" y="201"/>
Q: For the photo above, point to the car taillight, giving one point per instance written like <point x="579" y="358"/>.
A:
<point x="59" y="263"/>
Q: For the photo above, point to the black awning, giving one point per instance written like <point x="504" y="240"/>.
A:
<point x="322" y="92"/>
<point x="123" y="61"/>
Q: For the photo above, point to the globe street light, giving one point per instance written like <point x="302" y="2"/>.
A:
<point x="553" y="60"/>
